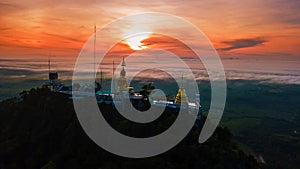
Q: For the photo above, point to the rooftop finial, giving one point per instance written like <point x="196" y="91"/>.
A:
<point x="123" y="72"/>
<point x="181" y="81"/>
<point x="123" y="62"/>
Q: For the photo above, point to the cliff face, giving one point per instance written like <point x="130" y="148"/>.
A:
<point x="41" y="130"/>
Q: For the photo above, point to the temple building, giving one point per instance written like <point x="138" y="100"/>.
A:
<point x="181" y="96"/>
<point x="122" y="81"/>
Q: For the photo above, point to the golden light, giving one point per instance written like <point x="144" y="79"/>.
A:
<point x="135" y="42"/>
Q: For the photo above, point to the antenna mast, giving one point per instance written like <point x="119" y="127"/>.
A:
<point x="101" y="77"/>
<point x="49" y="64"/>
<point x="113" y="76"/>
<point x="94" y="50"/>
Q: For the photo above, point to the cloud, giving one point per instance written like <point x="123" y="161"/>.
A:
<point x="9" y="8"/>
<point x="287" y="12"/>
<point x="58" y="36"/>
<point x="5" y="28"/>
<point x="243" y="43"/>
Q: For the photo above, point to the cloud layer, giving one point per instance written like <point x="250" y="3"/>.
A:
<point x="243" y="43"/>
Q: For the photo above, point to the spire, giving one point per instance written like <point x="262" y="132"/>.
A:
<point x="181" y="86"/>
<point x="122" y="81"/>
<point x="113" y="67"/>
<point x="123" y="72"/>
<point x="123" y="62"/>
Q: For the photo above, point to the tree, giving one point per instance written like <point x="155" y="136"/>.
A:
<point x="147" y="89"/>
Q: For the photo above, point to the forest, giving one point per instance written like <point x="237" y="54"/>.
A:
<point x="40" y="129"/>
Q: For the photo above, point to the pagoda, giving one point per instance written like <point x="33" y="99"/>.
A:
<point x="122" y="81"/>
<point x="181" y="96"/>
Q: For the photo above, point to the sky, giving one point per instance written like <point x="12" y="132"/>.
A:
<point x="250" y="36"/>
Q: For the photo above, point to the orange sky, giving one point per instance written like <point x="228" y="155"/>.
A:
<point x="256" y="29"/>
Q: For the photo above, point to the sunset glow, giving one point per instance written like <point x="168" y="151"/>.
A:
<point x="135" y="41"/>
<point x="144" y="84"/>
<point x="260" y="31"/>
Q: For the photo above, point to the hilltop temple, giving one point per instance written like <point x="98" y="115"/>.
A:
<point x="119" y="96"/>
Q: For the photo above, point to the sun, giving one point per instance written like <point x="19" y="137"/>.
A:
<point x="135" y="41"/>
